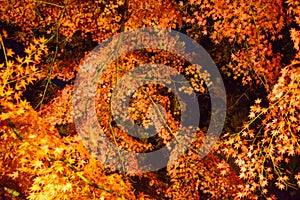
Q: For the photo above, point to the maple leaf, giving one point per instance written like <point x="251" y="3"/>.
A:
<point x="10" y="63"/>
<point x="42" y="40"/>
<point x="14" y="175"/>
<point x="251" y="115"/>
<point x="35" y="41"/>
<point x="28" y="50"/>
<point x="36" y="164"/>
<point x="258" y="101"/>
<point x="35" y="188"/>
<point x="28" y="59"/>
<point x="4" y="32"/>
<point x="223" y="172"/>
<point x="249" y="154"/>
<point x="59" y="168"/>
<point x="244" y="133"/>
<point x="37" y="58"/>
<point x="280" y="185"/>
<point x="9" y="52"/>
<point x="240" y="195"/>
<point x="19" y="59"/>
<point x="220" y="165"/>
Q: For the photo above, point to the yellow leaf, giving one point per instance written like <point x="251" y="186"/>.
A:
<point x="30" y="80"/>
<point x="37" y="164"/>
<point x="28" y="50"/>
<point x="9" y="92"/>
<point x="19" y="59"/>
<point x="37" y="58"/>
<point x="35" y="41"/>
<point x="60" y="169"/>
<point x="10" y="63"/>
<point x="28" y="59"/>
<point x="35" y="188"/>
<point x="32" y="47"/>
<point x="42" y="40"/>
<point x="22" y="83"/>
<point x="67" y="187"/>
<point x="17" y="96"/>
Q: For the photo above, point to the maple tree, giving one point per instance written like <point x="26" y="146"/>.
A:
<point x="254" y="44"/>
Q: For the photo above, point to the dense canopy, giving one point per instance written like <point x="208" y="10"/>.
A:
<point x="255" y="46"/>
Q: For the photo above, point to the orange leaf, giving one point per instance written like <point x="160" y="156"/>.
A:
<point x="9" y="52"/>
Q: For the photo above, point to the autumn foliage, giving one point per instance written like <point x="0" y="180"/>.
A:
<point x="255" y="45"/>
